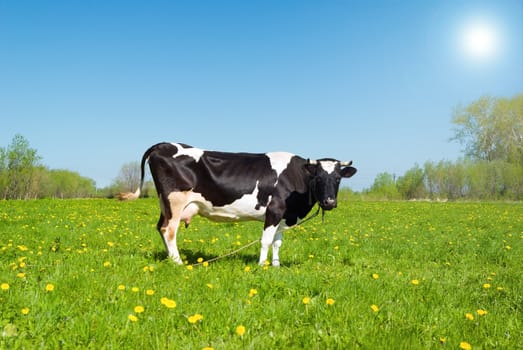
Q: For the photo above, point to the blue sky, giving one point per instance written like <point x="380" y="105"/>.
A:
<point x="92" y="84"/>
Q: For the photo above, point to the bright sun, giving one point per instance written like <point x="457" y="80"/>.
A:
<point x="479" y="40"/>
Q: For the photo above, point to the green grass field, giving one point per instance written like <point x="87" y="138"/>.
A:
<point x="375" y="275"/>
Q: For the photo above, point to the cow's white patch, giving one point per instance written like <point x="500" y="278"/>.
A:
<point x="243" y="208"/>
<point x="328" y="165"/>
<point x="195" y="153"/>
<point x="279" y="161"/>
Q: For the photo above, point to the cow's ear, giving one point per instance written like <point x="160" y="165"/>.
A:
<point x="348" y="171"/>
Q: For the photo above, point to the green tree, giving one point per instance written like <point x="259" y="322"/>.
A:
<point x="384" y="186"/>
<point x="411" y="184"/>
<point x="491" y="129"/>
<point x="19" y="164"/>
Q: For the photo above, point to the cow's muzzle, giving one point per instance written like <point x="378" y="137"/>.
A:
<point x="328" y="203"/>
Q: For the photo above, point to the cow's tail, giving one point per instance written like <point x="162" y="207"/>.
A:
<point x="129" y="196"/>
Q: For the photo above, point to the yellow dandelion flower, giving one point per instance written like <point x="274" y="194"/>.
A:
<point x="205" y="264"/>
<point x="107" y="264"/>
<point x="375" y="276"/>
<point x="210" y="286"/>
<point x="135" y="289"/>
<point x="121" y="287"/>
<point x="442" y="340"/>
<point x="415" y="282"/>
<point x="20" y="275"/>
<point x="49" y="287"/>
<point x="375" y="308"/>
<point x="199" y="260"/>
<point x="252" y="292"/>
<point x="25" y="311"/>
<point x="195" y="318"/>
<point x="149" y="292"/>
<point x="330" y="301"/>
<point x="486" y="285"/>
<point x="169" y="303"/>
<point x="240" y="330"/>
<point x="247" y="268"/>
<point x="481" y="312"/>
<point x="208" y="348"/>
<point x="189" y="267"/>
<point x="132" y="318"/>
<point x="465" y="346"/>
<point x="139" y="309"/>
<point x="306" y="300"/>
<point x="4" y="286"/>
<point x="469" y="316"/>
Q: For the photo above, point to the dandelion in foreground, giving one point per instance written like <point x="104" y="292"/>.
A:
<point x="132" y="318"/>
<point x="486" y="285"/>
<point x="135" y="289"/>
<point x="149" y="292"/>
<point x="330" y="301"/>
<point x="469" y="316"/>
<point x="25" y="311"/>
<point x="375" y="276"/>
<point x="465" y="346"/>
<point x="415" y="282"/>
<point x="107" y="264"/>
<point x="195" y="318"/>
<point x="139" y="309"/>
<point x="121" y="287"/>
<point x="168" y="303"/>
<point x="4" y="286"/>
<point x="240" y="330"/>
<point x="375" y="308"/>
<point x="481" y="312"/>
<point x="49" y="287"/>
<point x="306" y="300"/>
<point x="247" y="268"/>
<point x="252" y="292"/>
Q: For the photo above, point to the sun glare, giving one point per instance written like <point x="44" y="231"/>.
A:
<point x="479" y="40"/>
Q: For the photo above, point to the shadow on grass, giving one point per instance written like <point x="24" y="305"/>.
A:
<point x="192" y="256"/>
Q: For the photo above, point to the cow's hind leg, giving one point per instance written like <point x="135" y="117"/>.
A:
<point x="169" y="223"/>
<point x="168" y="230"/>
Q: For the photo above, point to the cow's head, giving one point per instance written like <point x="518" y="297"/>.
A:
<point x="325" y="176"/>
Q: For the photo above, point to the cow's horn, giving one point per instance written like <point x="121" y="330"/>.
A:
<point x="346" y="163"/>
<point x="312" y="161"/>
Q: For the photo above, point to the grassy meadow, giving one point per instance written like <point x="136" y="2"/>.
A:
<point x="374" y="275"/>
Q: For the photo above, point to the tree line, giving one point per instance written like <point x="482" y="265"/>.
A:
<point x="490" y="129"/>
<point x="23" y="176"/>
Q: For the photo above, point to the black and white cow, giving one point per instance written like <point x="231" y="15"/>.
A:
<point x="277" y="188"/>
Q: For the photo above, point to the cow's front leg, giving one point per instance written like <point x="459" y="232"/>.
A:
<point x="266" y="241"/>
<point x="276" y="244"/>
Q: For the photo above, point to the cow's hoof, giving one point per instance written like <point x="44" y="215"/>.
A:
<point x="276" y="263"/>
